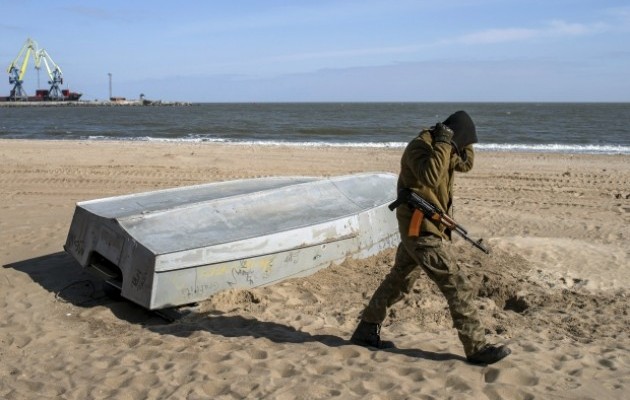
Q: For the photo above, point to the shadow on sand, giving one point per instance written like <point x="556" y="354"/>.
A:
<point x="59" y="273"/>
<point x="239" y="326"/>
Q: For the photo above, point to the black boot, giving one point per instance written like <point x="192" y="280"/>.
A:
<point x="368" y="334"/>
<point x="489" y="354"/>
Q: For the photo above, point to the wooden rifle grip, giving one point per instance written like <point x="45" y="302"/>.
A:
<point x="414" y="225"/>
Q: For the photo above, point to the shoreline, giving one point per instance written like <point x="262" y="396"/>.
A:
<point x="95" y="103"/>
<point x="394" y="146"/>
<point x="554" y="288"/>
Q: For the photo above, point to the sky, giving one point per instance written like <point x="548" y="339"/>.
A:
<point x="325" y="50"/>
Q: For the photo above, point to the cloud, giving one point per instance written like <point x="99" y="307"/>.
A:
<point x="12" y="28"/>
<point x="621" y="17"/>
<point x="619" y="12"/>
<point x="554" y="28"/>
<point x="516" y="79"/>
<point x="297" y="14"/>
<point x="90" y="12"/>
<point x="356" y="52"/>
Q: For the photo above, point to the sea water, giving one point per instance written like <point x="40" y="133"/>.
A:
<point x="595" y="128"/>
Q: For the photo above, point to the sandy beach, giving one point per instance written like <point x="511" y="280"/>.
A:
<point x="554" y="288"/>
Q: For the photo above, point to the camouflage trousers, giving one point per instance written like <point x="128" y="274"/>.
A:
<point x="429" y="254"/>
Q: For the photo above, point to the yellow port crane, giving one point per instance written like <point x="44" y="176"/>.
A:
<point x="55" y="74"/>
<point x="17" y="69"/>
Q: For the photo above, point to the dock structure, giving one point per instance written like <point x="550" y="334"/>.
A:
<point x="82" y="103"/>
<point x="179" y="246"/>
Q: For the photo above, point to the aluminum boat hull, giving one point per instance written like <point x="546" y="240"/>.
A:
<point x="178" y="246"/>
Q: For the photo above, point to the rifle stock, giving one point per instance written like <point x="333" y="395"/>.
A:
<point x="430" y="211"/>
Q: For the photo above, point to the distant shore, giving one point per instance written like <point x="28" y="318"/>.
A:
<point x="125" y="103"/>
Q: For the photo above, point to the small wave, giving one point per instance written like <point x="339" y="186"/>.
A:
<point x="254" y="142"/>
<point x="505" y="147"/>
<point x="555" y="148"/>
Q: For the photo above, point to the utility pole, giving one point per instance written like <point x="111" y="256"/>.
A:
<point x="110" y="85"/>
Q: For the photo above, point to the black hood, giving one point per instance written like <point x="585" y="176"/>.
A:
<point x="464" y="132"/>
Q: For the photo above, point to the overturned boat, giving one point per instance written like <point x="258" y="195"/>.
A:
<point x="178" y="246"/>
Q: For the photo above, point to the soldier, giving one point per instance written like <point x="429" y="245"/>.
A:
<point x="427" y="167"/>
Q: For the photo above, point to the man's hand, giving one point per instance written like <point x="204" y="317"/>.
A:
<point x="442" y="133"/>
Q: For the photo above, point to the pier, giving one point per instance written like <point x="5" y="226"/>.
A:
<point x="125" y="103"/>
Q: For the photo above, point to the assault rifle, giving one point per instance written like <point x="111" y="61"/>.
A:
<point x="423" y="208"/>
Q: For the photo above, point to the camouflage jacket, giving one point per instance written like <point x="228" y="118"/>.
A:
<point x="428" y="169"/>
